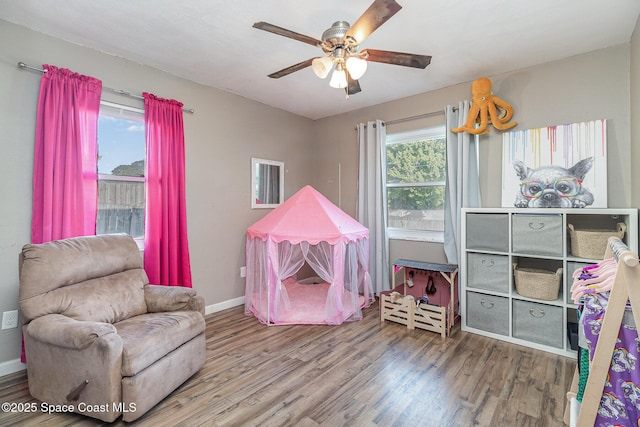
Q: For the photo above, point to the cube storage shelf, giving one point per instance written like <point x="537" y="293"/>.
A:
<point x="495" y="240"/>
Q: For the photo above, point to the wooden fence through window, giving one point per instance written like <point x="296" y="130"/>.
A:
<point x="120" y="208"/>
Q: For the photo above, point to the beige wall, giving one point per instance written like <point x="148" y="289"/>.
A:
<point x="227" y="130"/>
<point x="221" y="137"/>
<point x="635" y="116"/>
<point x="586" y="87"/>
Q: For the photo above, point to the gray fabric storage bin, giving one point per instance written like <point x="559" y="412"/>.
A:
<point x="537" y="234"/>
<point x="539" y="323"/>
<point x="572" y="266"/>
<point x="488" y="313"/>
<point x="487" y="271"/>
<point x="488" y="232"/>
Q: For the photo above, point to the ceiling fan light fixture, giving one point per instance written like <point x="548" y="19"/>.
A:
<point x="338" y="78"/>
<point x="356" y="66"/>
<point x="340" y="45"/>
<point x="322" y="66"/>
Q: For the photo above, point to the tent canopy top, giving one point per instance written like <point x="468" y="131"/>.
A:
<point x="308" y="216"/>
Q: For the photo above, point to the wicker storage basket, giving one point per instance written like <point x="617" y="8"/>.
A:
<point x="536" y="283"/>
<point x="592" y="244"/>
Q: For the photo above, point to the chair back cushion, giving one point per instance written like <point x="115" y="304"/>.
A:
<point x="94" y="278"/>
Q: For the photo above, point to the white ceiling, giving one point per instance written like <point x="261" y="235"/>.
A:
<point x="212" y="41"/>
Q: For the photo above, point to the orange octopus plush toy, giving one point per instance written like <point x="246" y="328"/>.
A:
<point x="485" y="105"/>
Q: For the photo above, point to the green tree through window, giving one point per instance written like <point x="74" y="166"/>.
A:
<point x="134" y="169"/>
<point x="416" y="164"/>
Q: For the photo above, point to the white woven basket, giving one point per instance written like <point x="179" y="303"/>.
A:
<point x="592" y="244"/>
<point x="536" y="283"/>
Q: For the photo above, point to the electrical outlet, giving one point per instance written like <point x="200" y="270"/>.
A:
<point x="10" y="319"/>
<point x="243" y="271"/>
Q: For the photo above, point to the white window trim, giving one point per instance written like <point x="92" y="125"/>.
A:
<point x="122" y="107"/>
<point x="416" y="184"/>
<point x="394" y="138"/>
<point x="415" y="235"/>
<point x="430" y="236"/>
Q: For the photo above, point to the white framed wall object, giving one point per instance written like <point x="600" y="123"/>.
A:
<point x="267" y="183"/>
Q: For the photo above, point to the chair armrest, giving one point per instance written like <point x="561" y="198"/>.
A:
<point x="71" y="361"/>
<point x="172" y="298"/>
<point x="66" y="332"/>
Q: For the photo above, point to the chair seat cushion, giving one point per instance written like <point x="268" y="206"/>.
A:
<point x="149" y="337"/>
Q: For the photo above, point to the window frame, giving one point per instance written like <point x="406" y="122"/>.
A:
<point x="433" y="236"/>
<point x="125" y="178"/>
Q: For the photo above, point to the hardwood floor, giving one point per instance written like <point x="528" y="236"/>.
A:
<point x="357" y="374"/>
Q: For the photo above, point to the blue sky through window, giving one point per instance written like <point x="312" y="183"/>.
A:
<point x="121" y="139"/>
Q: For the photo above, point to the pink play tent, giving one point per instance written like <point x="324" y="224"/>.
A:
<point x="307" y="231"/>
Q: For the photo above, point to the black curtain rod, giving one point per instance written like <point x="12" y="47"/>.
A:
<point x="118" y="91"/>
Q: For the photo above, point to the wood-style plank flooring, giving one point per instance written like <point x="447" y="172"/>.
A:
<point x="363" y="373"/>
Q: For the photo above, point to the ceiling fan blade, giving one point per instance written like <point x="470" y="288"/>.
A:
<point x="397" y="58"/>
<point x="291" y="69"/>
<point x="378" y="13"/>
<point x="265" y="26"/>
<point x="353" y="86"/>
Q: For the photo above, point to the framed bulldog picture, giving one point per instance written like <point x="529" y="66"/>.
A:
<point x="562" y="166"/>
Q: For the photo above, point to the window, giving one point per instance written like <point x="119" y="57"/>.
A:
<point x="416" y="167"/>
<point x="121" y="160"/>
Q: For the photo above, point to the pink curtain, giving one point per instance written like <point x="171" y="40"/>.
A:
<point x="65" y="177"/>
<point x="166" y="248"/>
<point x="65" y="158"/>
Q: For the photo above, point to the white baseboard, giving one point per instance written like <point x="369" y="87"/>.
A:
<point x="11" y="366"/>
<point x="213" y="308"/>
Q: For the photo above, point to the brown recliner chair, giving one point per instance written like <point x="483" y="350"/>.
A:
<point x="99" y="338"/>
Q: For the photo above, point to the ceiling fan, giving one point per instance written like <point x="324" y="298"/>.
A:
<point x="340" y="45"/>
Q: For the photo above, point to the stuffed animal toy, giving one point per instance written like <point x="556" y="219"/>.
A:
<point x="486" y="106"/>
<point x="395" y="296"/>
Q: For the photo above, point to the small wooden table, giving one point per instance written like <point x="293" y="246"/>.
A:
<point x="448" y="271"/>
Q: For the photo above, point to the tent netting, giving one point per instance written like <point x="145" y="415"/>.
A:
<point x="307" y="229"/>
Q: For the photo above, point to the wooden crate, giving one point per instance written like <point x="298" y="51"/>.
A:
<point x="431" y="318"/>
<point x="399" y="311"/>
<point x="404" y="311"/>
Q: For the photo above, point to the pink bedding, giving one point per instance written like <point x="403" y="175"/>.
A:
<point x="307" y="304"/>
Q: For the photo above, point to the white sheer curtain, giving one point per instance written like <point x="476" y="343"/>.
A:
<point x="290" y="260"/>
<point x="257" y="282"/>
<point x="328" y="261"/>
<point x="372" y="199"/>
<point x="350" y="276"/>
<point x="364" y="279"/>
<point x="320" y="258"/>
<point x="342" y="265"/>
<point x="463" y="178"/>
